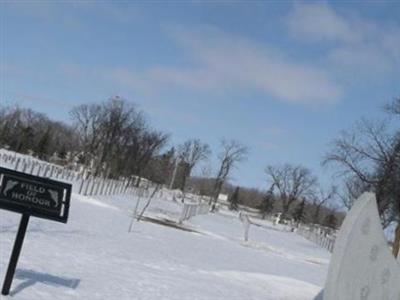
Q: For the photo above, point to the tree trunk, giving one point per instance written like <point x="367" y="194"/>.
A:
<point x="396" y="244"/>
<point x="285" y="210"/>
<point x="217" y="190"/>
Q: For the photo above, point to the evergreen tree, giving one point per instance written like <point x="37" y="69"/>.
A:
<point x="63" y="152"/>
<point x="268" y="202"/>
<point x="43" y="144"/>
<point x="234" y="200"/>
<point x="25" y="139"/>
<point x="160" y="168"/>
<point x="331" y="221"/>
<point x="299" y="213"/>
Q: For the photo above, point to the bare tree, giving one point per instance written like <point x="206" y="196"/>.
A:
<point x="87" y="121"/>
<point x="116" y="138"/>
<point x="292" y="183"/>
<point x="371" y="153"/>
<point x="25" y="130"/>
<point x="190" y="153"/>
<point x="353" y="187"/>
<point x="368" y="152"/>
<point x="232" y="153"/>
<point x="144" y="147"/>
<point x="361" y="150"/>
<point x="120" y="120"/>
<point x="393" y="107"/>
<point x="111" y="138"/>
<point x="319" y="199"/>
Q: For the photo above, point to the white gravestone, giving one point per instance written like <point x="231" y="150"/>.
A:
<point x="244" y="218"/>
<point x="362" y="266"/>
<point x="277" y="218"/>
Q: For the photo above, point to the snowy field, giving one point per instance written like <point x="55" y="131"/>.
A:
<point x="94" y="257"/>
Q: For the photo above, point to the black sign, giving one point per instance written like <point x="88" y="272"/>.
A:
<point x="36" y="196"/>
<point x="31" y="196"/>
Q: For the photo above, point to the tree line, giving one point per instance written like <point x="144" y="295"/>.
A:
<point x="113" y="138"/>
<point x="366" y="157"/>
<point x="293" y="191"/>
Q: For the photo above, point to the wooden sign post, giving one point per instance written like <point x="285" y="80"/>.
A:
<point x="31" y="196"/>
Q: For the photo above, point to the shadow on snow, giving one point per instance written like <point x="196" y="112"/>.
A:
<point x="31" y="277"/>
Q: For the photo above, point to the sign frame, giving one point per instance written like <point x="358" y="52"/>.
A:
<point x="30" y="196"/>
<point x="59" y="215"/>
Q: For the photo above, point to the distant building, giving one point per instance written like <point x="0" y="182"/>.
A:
<point x="223" y="197"/>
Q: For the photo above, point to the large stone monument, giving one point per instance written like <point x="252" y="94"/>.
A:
<point x="362" y="266"/>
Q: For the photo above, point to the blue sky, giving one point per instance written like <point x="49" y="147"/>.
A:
<point x="283" y="77"/>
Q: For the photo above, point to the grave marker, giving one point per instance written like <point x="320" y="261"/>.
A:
<point x="362" y="267"/>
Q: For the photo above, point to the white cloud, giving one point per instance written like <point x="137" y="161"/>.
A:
<point x="317" y="21"/>
<point x="221" y="62"/>
<point x="354" y="43"/>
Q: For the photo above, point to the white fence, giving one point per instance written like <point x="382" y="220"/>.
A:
<point x="193" y="209"/>
<point x="82" y="184"/>
<point x="318" y="236"/>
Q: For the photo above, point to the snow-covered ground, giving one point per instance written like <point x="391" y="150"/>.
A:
<point x="94" y="257"/>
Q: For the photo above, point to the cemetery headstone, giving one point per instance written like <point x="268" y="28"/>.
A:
<point x="362" y="266"/>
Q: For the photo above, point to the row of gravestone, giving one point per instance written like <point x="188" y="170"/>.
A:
<point x="362" y="266"/>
